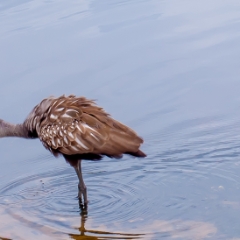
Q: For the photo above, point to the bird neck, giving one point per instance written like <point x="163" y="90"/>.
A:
<point x="13" y="130"/>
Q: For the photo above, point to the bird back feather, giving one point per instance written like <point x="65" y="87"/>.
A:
<point x="77" y="126"/>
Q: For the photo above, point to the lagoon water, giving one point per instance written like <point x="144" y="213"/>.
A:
<point x="168" y="69"/>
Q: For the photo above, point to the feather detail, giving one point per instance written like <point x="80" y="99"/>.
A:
<point x="77" y="126"/>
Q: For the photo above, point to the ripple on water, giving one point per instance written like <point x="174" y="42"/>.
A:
<point x="39" y="192"/>
<point x="50" y="198"/>
<point x="193" y="164"/>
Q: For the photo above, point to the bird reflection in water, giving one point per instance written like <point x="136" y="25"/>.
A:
<point x="98" y="234"/>
<point x="2" y="238"/>
<point x="76" y="128"/>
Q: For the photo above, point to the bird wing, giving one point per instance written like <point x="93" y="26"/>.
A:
<point x="78" y="126"/>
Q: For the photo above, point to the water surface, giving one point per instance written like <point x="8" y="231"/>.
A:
<point x="168" y="69"/>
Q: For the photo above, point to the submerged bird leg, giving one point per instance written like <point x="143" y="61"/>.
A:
<point x="82" y="189"/>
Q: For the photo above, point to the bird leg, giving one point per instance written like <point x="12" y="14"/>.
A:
<point x="82" y="189"/>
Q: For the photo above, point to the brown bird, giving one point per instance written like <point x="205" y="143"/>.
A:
<point x="78" y="129"/>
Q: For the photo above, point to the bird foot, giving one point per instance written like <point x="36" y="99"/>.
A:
<point x="82" y="192"/>
<point x="83" y="205"/>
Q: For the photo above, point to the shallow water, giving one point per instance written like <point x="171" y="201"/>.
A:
<point x="168" y="69"/>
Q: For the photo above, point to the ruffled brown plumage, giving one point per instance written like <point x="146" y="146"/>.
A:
<point x="78" y="129"/>
<point x="77" y="126"/>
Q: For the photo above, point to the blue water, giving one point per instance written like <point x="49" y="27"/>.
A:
<point x="168" y="69"/>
